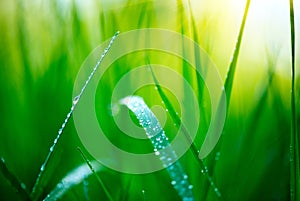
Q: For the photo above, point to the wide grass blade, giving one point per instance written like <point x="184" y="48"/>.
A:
<point x="294" y="149"/>
<point x="233" y="62"/>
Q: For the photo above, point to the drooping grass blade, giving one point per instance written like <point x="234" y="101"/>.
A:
<point x="73" y="178"/>
<point x="162" y="147"/>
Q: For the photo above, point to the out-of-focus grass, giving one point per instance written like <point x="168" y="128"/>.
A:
<point x="44" y="43"/>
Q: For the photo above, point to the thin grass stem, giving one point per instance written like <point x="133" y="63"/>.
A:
<point x="37" y="190"/>
<point x="96" y="175"/>
<point x="233" y="62"/>
<point x="294" y="150"/>
<point x="179" y="124"/>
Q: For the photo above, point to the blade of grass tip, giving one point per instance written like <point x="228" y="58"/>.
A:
<point x="95" y="174"/>
<point x="233" y="62"/>
<point x="178" y="123"/>
<point x="232" y="65"/>
<point x="37" y="190"/>
<point x="294" y="149"/>
<point x="14" y="181"/>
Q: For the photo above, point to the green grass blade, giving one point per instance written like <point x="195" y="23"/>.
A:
<point x="233" y="62"/>
<point x="20" y="187"/>
<point x="232" y="66"/>
<point x="200" y="85"/>
<point x="162" y="147"/>
<point x="75" y="177"/>
<point x="197" y="55"/>
<point x="178" y="123"/>
<point x="294" y="149"/>
<point x="37" y="189"/>
<point x="95" y="174"/>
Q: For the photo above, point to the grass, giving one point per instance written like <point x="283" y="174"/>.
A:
<point x="44" y="45"/>
<point x="294" y="149"/>
<point x="96" y="175"/>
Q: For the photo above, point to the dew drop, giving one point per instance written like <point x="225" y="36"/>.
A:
<point x="23" y="185"/>
<point x="42" y="167"/>
<point x="156" y="153"/>
<point x="190" y="187"/>
<point x="76" y="99"/>
<point x="173" y="182"/>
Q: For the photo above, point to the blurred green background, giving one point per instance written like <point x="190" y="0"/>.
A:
<point x="44" y="43"/>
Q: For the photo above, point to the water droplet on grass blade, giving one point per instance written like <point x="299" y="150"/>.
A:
<point x="161" y="145"/>
<point x="36" y="194"/>
<point x="76" y="99"/>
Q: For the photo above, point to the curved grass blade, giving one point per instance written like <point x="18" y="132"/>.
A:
<point x="178" y="123"/>
<point x="20" y="187"/>
<point x="37" y="189"/>
<point x="161" y="145"/>
<point x="95" y="174"/>
<point x="233" y="62"/>
<point x="197" y="56"/>
<point x="75" y="177"/>
<point x="294" y="149"/>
